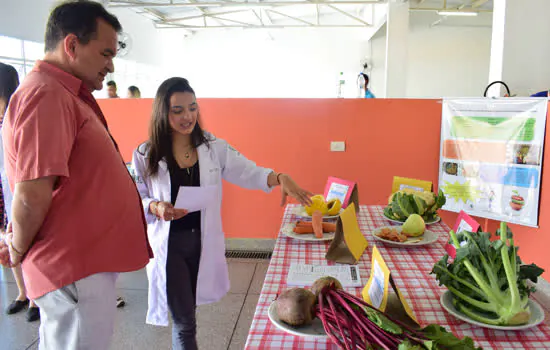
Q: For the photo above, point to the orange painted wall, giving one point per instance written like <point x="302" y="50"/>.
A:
<point x="384" y="137"/>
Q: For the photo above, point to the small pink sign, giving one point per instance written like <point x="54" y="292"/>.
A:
<point x="341" y="189"/>
<point x="464" y="222"/>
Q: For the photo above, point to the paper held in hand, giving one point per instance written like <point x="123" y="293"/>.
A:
<point x="195" y="198"/>
<point x="302" y="275"/>
<point x="377" y="291"/>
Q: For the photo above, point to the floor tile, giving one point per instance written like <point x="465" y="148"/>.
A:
<point x="131" y="332"/>
<point x="216" y="322"/>
<point x="240" y="275"/>
<point x="245" y="320"/>
<point x="6" y="275"/>
<point x="133" y="280"/>
<point x="15" y="332"/>
<point x="259" y="277"/>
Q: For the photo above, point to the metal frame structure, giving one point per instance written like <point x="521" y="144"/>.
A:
<point x="261" y="10"/>
<point x="212" y="12"/>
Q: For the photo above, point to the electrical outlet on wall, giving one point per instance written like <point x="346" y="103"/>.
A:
<point x="337" y="146"/>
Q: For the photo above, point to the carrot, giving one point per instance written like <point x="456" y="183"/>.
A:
<point x="304" y="224"/>
<point x="307" y="227"/>
<point x="317" y="223"/>
<point x="303" y="229"/>
<point x="329" y="227"/>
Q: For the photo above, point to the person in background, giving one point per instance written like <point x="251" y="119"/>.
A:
<point x="368" y="93"/>
<point x="189" y="267"/>
<point x="133" y="92"/>
<point x="73" y="232"/>
<point x="9" y="80"/>
<point x="112" y="89"/>
<point x="541" y="94"/>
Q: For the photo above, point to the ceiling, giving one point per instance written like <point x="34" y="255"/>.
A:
<point x="208" y="14"/>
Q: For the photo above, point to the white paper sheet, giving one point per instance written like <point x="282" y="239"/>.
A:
<point x="195" y="198"/>
<point x="304" y="275"/>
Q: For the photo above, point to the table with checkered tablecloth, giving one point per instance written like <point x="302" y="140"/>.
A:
<point x="410" y="269"/>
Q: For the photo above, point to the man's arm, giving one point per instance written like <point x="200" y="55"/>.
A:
<point x="31" y="202"/>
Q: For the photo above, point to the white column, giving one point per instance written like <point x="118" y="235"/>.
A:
<point x="397" y="43"/>
<point x="520" y="49"/>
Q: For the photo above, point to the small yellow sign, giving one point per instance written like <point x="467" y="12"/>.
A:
<point x="356" y="242"/>
<point x="401" y="183"/>
<point x="377" y="290"/>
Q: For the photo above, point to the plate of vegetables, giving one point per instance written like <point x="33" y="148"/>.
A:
<point x="303" y="230"/>
<point x="535" y="310"/>
<point x="435" y="220"/>
<point x="329" y="209"/>
<point x="326" y="310"/>
<point x="406" y="202"/>
<point x="393" y="235"/>
<point x="487" y="282"/>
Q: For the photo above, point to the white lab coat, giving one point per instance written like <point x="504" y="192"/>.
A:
<point x="216" y="162"/>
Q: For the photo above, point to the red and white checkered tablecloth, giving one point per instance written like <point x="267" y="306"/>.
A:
<point x="411" y="271"/>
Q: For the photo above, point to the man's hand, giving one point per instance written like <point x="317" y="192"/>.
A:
<point x="5" y="259"/>
<point x="4" y="254"/>
<point x="15" y="257"/>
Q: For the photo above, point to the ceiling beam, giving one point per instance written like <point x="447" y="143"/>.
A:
<point x="169" y="20"/>
<point x="447" y="10"/>
<point x="259" y="17"/>
<point x="231" y="21"/>
<point x="273" y="26"/>
<point x="135" y="4"/>
<point x="347" y="14"/>
<point x="291" y="17"/>
<point x="317" y="14"/>
<point x="478" y="3"/>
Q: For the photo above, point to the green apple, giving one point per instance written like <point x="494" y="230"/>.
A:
<point x="414" y="226"/>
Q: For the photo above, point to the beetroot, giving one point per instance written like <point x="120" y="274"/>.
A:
<point x="296" y="306"/>
<point x="323" y="282"/>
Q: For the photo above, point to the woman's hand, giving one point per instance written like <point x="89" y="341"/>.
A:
<point x="291" y="188"/>
<point x="167" y="212"/>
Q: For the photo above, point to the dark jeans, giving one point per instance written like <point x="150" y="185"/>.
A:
<point x="182" y="268"/>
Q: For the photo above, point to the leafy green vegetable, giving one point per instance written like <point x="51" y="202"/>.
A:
<point x="382" y="321"/>
<point x="487" y="279"/>
<point x="404" y="203"/>
<point x="441" y="339"/>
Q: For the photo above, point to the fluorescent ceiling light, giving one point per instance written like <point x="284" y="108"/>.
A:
<point x="457" y="13"/>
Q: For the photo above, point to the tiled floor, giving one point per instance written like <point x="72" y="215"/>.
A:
<point x="223" y="325"/>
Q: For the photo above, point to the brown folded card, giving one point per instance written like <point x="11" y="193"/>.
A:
<point x="349" y="243"/>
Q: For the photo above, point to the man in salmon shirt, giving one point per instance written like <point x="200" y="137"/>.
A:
<point x="77" y="216"/>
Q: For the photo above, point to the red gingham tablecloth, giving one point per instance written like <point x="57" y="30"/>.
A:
<point x="410" y="269"/>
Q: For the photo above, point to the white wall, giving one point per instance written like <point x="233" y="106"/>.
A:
<point x="447" y="60"/>
<point x="249" y="63"/>
<point x="525" y="64"/>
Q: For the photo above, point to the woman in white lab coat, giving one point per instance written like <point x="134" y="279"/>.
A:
<point x="189" y="267"/>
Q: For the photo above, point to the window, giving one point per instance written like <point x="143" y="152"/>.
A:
<point x="20" y="54"/>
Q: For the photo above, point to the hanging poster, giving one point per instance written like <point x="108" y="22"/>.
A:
<point x="491" y="157"/>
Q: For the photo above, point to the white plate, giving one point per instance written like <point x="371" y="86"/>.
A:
<point x="300" y="212"/>
<point x="314" y="330"/>
<point x="537" y="314"/>
<point x="428" y="237"/>
<point x="288" y="230"/>
<point x="436" y="220"/>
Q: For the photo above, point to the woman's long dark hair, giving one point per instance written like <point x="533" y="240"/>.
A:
<point x="9" y="81"/>
<point x="160" y="131"/>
